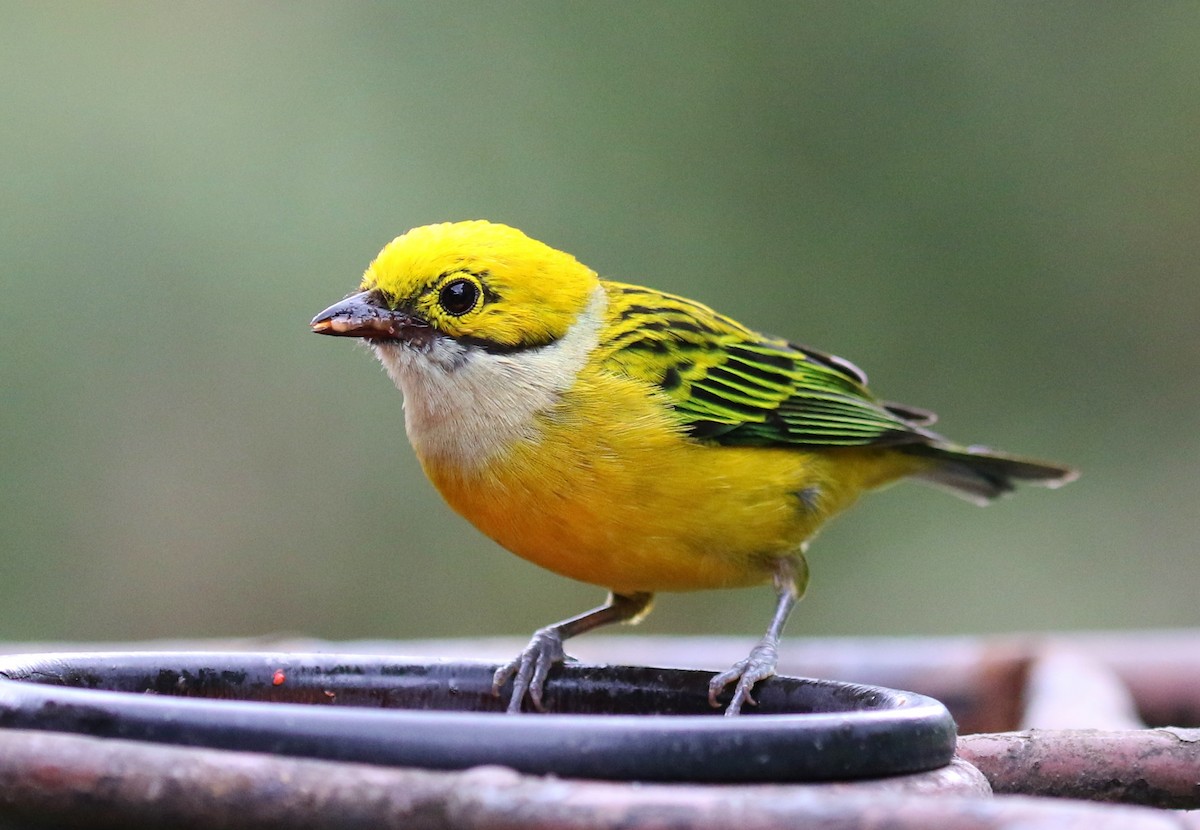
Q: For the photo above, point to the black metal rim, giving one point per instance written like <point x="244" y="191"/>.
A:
<point x="611" y="722"/>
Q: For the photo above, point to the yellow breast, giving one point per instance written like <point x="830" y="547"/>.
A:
<point x="605" y="488"/>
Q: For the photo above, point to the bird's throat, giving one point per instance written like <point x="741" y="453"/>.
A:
<point x="466" y="406"/>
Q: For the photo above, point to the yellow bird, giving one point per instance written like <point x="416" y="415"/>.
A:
<point x="629" y="438"/>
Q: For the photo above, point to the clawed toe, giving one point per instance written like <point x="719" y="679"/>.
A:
<point x="530" y="670"/>
<point x="746" y="673"/>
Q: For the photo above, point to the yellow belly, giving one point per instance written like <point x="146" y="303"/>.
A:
<point x="607" y="490"/>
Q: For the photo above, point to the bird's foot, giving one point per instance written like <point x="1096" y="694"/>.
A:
<point x="530" y="669"/>
<point x="758" y="666"/>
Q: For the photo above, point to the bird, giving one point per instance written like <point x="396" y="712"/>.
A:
<point x="629" y="438"/>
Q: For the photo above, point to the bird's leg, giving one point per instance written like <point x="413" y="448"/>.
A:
<point x="791" y="578"/>
<point x="532" y="665"/>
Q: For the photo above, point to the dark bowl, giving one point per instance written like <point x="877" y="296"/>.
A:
<point x="610" y="722"/>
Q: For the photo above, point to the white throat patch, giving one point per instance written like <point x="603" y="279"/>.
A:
<point x="463" y="405"/>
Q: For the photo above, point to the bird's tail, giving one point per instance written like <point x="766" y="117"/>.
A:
<point x="980" y="474"/>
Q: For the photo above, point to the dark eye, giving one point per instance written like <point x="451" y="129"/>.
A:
<point x="458" y="297"/>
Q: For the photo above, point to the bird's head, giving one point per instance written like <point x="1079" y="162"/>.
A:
<point x="445" y="290"/>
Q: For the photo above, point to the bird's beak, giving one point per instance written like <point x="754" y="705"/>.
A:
<point x="361" y="315"/>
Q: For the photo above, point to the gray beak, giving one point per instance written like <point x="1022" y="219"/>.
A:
<point x="361" y="315"/>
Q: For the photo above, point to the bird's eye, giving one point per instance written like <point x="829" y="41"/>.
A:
<point x="458" y="296"/>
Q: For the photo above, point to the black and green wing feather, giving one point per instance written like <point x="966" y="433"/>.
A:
<point x="733" y="386"/>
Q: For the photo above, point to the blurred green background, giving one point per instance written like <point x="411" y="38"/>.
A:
<point x="994" y="208"/>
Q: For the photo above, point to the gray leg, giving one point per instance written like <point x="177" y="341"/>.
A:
<point x="532" y="665"/>
<point x="791" y="578"/>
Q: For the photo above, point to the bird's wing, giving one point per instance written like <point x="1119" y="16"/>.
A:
<point x="733" y="386"/>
